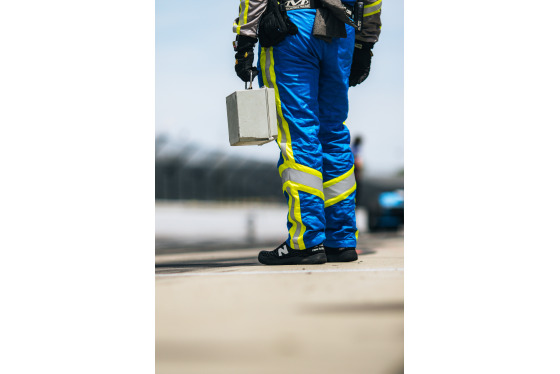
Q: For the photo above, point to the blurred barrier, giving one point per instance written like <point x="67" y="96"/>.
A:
<point x="188" y="172"/>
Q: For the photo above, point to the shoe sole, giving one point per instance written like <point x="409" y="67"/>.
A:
<point x="345" y="256"/>
<point x="316" y="259"/>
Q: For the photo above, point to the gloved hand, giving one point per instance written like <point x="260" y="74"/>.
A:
<point x="244" y="57"/>
<point x="361" y="62"/>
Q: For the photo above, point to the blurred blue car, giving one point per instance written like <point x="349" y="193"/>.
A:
<point x="384" y="200"/>
<point x="390" y="212"/>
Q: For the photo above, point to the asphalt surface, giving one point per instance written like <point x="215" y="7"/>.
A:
<point x="219" y="311"/>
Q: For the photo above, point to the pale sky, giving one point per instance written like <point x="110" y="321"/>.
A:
<point x="194" y="74"/>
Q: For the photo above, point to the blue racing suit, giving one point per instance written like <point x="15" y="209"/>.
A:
<point x="310" y="81"/>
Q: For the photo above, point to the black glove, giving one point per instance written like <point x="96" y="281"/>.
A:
<point x="361" y="62"/>
<point x="244" y="57"/>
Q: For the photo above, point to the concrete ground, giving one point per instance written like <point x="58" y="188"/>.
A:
<point x="220" y="311"/>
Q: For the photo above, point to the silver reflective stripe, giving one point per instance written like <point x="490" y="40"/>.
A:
<point x="301" y="177"/>
<point x="370" y="10"/>
<point x="340" y="187"/>
<point x="268" y="58"/>
<point x="242" y="7"/>
<point x="297" y="223"/>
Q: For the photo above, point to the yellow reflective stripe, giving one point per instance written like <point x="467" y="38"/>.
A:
<point x="288" y="140"/>
<point x="357" y="232"/>
<point x="301" y="187"/>
<point x="340" y="197"/>
<point x="294" y="216"/>
<point x="294" y="208"/>
<point x="297" y="230"/>
<point x="246" y="12"/>
<point x="267" y="80"/>
<point x="374" y="4"/>
<point x="372" y="9"/>
<point x="301" y="244"/>
<point x="243" y="11"/>
<point x="291" y="218"/>
<point x="372" y="13"/>
<point x="338" y="179"/>
<point x="284" y="139"/>
<point x="300" y="167"/>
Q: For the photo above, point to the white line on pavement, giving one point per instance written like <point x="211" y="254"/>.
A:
<point x="279" y="272"/>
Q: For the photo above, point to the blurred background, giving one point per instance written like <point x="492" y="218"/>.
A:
<point x="196" y="164"/>
<point x="194" y="74"/>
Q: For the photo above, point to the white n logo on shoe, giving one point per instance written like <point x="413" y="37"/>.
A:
<point x="282" y="251"/>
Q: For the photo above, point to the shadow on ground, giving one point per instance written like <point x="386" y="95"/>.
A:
<point x="395" y="307"/>
<point x="174" y="267"/>
<point x="165" y="246"/>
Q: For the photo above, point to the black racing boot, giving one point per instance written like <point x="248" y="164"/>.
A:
<point x="342" y="254"/>
<point x="284" y="255"/>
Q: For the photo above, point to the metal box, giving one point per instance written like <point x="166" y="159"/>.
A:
<point x="252" y="117"/>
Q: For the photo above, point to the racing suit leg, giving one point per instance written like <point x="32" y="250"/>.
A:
<point x="292" y="68"/>
<point x="338" y="161"/>
<point x="310" y="80"/>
